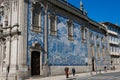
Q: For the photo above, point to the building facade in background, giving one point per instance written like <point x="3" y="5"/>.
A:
<point x="42" y="37"/>
<point x="114" y="43"/>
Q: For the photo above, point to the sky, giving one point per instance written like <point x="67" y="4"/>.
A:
<point x="101" y="10"/>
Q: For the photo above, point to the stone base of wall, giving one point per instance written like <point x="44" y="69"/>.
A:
<point x="117" y="67"/>
<point x="14" y="76"/>
<point x="3" y="76"/>
<point x="59" y="70"/>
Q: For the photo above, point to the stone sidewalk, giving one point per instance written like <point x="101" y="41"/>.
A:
<point x="77" y="76"/>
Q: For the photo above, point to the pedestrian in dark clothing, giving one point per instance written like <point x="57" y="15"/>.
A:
<point x="105" y="68"/>
<point x="67" y="72"/>
<point x="73" y="71"/>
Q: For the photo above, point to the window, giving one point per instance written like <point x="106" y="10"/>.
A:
<point x="102" y="39"/>
<point x="91" y="36"/>
<point x="0" y="18"/>
<point x="111" y="49"/>
<point x="98" y="52"/>
<point x="36" y="17"/>
<point x="1" y="21"/>
<point x="70" y="30"/>
<point x="52" y="20"/>
<point x="103" y="54"/>
<point x="83" y="32"/>
<point x="117" y="50"/>
<point x="97" y="38"/>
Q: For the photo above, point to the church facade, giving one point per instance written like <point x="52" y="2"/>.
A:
<point x="42" y="37"/>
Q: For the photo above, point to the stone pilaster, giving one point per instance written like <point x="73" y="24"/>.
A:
<point x="8" y="53"/>
<point x="14" y="54"/>
<point x="45" y="42"/>
<point x="0" y="53"/>
<point x="22" y="40"/>
<point x="1" y="45"/>
<point x="89" y="49"/>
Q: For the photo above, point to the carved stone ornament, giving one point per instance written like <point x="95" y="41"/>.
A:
<point x="36" y="45"/>
<point x="8" y="38"/>
<point x="15" y="37"/>
<point x="69" y="22"/>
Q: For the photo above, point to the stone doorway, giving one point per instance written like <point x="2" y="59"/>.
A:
<point x="35" y="63"/>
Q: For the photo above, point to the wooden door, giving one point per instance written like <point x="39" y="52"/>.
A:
<point x="35" y="63"/>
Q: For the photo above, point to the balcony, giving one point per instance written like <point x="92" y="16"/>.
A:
<point x="113" y="42"/>
<point x="115" y="53"/>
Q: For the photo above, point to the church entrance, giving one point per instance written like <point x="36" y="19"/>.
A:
<point x="35" y="63"/>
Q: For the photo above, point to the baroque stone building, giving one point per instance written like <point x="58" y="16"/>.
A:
<point x="42" y="37"/>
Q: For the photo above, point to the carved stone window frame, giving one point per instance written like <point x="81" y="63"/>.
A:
<point x="36" y="47"/>
<point x="97" y="38"/>
<point x="103" y="52"/>
<point x="1" y="20"/>
<point x="102" y="39"/>
<point x="36" y="28"/>
<point x="70" y="26"/>
<point x="52" y="21"/>
<point x="91" y="36"/>
<point x="98" y="51"/>
<point x="83" y="33"/>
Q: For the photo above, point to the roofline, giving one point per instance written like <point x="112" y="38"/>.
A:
<point x="109" y="23"/>
<point x="74" y="10"/>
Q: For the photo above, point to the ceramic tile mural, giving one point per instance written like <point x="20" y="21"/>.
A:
<point x="32" y="36"/>
<point x="101" y="60"/>
<point x="62" y="51"/>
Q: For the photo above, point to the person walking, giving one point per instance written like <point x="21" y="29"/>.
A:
<point x="73" y="71"/>
<point x="67" y="72"/>
<point x="105" y="68"/>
